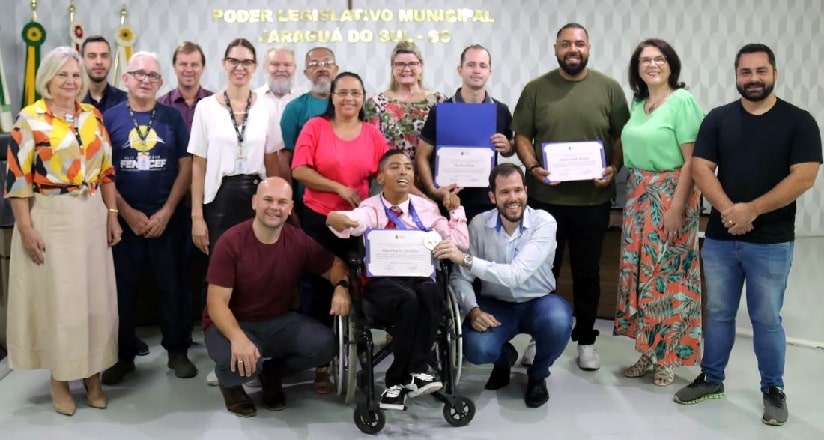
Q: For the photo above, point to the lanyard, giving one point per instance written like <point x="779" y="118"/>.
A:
<point x="242" y="130"/>
<point x="140" y="133"/>
<point x="398" y="223"/>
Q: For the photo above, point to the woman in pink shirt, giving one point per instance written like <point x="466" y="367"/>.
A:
<point x="335" y="156"/>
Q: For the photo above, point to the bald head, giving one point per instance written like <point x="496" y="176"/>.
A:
<point x="274" y="184"/>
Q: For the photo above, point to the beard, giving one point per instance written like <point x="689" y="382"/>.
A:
<point x="97" y="79"/>
<point x="322" y="86"/>
<point x="514" y="219"/>
<point x="570" y="69"/>
<point x="279" y="85"/>
<point x="756" y="95"/>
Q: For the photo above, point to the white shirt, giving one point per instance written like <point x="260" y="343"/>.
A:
<point x="214" y="137"/>
<point x="279" y="106"/>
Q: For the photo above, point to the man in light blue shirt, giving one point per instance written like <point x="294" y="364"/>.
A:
<point x="511" y="250"/>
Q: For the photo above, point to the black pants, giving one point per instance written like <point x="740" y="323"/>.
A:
<point x="316" y="291"/>
<point x="583" y="227"/>
<point x="413" y="307"/>
<point x="232" y="205"/>
<point x="163" y="257"/>
<point x="291" y="341"/>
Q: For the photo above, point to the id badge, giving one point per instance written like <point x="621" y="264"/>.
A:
<point x="240" y="165"/>
<point x="143" y="162"/>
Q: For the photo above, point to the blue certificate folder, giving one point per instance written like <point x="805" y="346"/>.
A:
<point x="466" y="126"/>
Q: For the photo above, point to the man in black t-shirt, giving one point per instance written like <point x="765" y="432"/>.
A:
<point x="767" y="153"/>
<point x="474" y="69"/>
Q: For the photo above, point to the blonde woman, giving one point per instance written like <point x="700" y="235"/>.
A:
<point x="62" y="311"/>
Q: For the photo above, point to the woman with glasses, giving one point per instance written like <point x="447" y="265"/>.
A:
<point x="659" y="289"/>
<point x="233" y="146"/>
<point x="401" y="111"/>
<point x="62" y="308"/>
<point x="335" y="157"/>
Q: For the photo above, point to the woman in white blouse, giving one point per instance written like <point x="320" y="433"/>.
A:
<point x="233" y="146"/>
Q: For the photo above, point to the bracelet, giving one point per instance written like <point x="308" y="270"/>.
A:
<point x="112" y="210"/>
<point x="529" y="169"/>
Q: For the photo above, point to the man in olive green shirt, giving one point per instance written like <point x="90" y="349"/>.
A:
<point x="569" y="104"/>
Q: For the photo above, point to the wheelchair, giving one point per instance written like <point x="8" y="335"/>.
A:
<point x="354" y="367"/>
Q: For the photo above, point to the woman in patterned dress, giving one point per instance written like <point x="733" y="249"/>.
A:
<point x="400" y="112"/>
<point x="659" y="289"/>
<point x="62" y="311"/>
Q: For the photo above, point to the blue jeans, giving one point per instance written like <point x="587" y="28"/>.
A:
<point x="764" y="268"/>
<point x="547" y="319"/>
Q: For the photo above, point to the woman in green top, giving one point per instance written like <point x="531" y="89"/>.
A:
<point x="659" y="289"/>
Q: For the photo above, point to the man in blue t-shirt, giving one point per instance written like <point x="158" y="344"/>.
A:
<point x="149" y="143"/>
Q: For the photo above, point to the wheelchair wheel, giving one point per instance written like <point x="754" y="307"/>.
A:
<point x="461" y="413"/>
<point x="456" y="351"/>
<point x="369" y="421"/>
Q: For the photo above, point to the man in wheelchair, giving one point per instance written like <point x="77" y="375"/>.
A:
<point x="511" y="251"/>
<point x="413" y="306"/>
<point x="252" y="277"/>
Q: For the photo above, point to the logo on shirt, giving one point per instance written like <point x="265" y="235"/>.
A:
<point x="143" y="145"/>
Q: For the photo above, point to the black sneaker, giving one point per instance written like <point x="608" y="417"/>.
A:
<point x="394" y="397"/>
<point x="117" y="372"/>
<point x="536" y="393"/>
<point x="184" y="368"/>
<point x="499" y="377"/>
<point x="237" y="401"/>
<point x="698" y="391"/>
<point x="142" y="347"/>
<point x="775" y="407"/>
<point x="422" y="383"/>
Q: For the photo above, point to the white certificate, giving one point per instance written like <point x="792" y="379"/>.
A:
<point x="568" y="161"/>
<point x="468" y="167"/>
<point x="397" y="253"/>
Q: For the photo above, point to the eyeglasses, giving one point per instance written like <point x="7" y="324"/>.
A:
<point x="141" y="75"/>
<point x="352" y="93"/>
<point x="646" y="61"/>
<point x="234" y="62"/>
<point x="411" y="65"/>
<point x="318" y="64"/>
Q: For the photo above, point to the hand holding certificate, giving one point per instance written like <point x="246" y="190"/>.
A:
<point x="570" y="161"/>
<point x="399" y="253"/>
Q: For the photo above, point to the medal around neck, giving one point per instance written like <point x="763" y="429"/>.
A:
<point x="431" y="239"/>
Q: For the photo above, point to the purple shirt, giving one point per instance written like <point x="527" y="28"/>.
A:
<point x="174" y="99"/>
<point x="370" y="214"/>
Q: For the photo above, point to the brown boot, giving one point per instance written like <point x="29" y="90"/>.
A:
<point x="237" y="401"/>
<point x="272" y="397"/>
<point x="62" y="398"/>
<point x="94" y="392"/>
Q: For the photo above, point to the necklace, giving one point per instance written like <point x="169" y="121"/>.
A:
<point x="652" y="105"/>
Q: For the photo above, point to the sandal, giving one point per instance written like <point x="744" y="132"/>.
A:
<point x="664" y="375"/>
<point x="322" y="383"/>
<point x="640" y="368"/>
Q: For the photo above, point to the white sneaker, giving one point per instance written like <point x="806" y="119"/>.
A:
<point x="588" y="358"/>
<point x="529" y="354"/>
<point x="211" y="379"/>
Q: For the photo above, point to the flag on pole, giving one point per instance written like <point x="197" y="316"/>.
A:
<point x="33" y="35"/>
<point x="76" y="32"/>
<point x="124" y="38"/>
<point x="6" y="119"/>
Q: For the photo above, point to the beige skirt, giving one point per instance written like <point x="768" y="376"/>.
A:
<point x="62" y="315"/>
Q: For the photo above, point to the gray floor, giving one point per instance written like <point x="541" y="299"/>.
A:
<point x="153" y="404"/>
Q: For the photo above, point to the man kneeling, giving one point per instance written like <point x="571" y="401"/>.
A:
<point x="512" y="249"/>
<point x="414" y="306"/>
<point x="252" y="278"/>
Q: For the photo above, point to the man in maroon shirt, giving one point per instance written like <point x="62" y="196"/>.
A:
<point x="189" y="62"/>
<point x="252" y="278"/>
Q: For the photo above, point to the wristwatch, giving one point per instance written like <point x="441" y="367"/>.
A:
<point x="343" y="283"/>
<point x="467" y="261"/>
